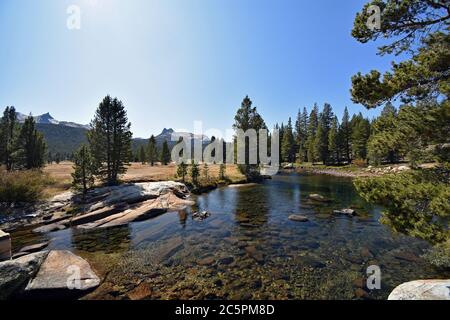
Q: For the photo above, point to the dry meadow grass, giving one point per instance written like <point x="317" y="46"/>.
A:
<point x="137" y="172"/>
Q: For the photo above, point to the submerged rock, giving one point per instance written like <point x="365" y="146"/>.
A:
<point x="34" y="248"/>
<point x="318" y="198"/>
<point x="141" y="292"/>
<point x="298" y="218"/>
<point x="63" y="270"/>
<point x="422" y="290"/>
<point x="348" y="212"/>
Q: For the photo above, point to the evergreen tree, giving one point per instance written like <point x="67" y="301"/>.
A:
<point x="142" y="155"/>
<point x="301" y="135"/>
<point x="165" y="154"/>
<point x="8" y="135"/>
<point x="320" y="150"/>
<point x="206" y="172"/>
<point x="247" y="117"/>
<point x="195" y="173"/>
<point x="325" y="120"/>
<point x="360" y="136"/>
<point x="222" y="170"/>
<point x="384" y="141"/>
<point x="312" y="129"/>
<point x="182" y="171"/>
<point x="333" y="142"/>
<point x="152" y="151"/>
<point x="110" y="140"/>
<point x="346" y="134"/>
<point x="84" y="170"/>
<point x="30" y="146"/>
<point x="288" y="144"/>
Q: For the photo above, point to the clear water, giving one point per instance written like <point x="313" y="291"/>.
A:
<point x="249" y="249"/>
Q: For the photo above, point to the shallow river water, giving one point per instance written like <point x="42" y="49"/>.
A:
<point x="249" y="249"/>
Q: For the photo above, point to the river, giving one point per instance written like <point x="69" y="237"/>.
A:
<point x="248" y="248"/>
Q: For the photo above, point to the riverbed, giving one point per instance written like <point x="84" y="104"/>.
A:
<point x="247" y="248"/>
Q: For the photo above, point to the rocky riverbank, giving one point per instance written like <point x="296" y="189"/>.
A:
<point x="102" y="207"/>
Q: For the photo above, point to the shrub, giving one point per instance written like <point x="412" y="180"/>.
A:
<point x="22" y="186"/>
<point x="361" y="163"/>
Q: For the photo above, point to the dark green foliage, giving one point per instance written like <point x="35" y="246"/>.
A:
<point x="334" y="143"/>
<point x="417" y="203"/>
<point x="84" y="170"/>
<point x="110" y="140"/>
<point x="288" y="144"/>
<point x="195" y="173"/>
<point x="142" y="155"/>
<point x="419" y="28"/>
<point x="345" y="133"/>
<point x="360" y="136"/>
<point x="312" y="129"/>
<point x="61" y="139"/>
<point x="30" y="147"/>
<point x="301" y="135"/>
<point x="165" y="154"/>
<point x="222" y="170"/>
<point x="247" y="117"/>
<point x="182" y="171"/>
<point x="152" y="151"/>
<point x="8" y="134"/>
<point x="205" y="172"/>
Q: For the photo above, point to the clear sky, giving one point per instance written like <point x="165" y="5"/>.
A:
<point x="174" y="62"/>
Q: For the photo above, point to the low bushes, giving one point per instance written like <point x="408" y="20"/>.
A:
<point x="22" y="186"/>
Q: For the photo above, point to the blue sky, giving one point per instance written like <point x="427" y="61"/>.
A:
<point x="174" y="62"/>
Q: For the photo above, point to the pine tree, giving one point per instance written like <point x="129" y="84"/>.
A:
<point x="319" y="144"/>
<point x="325" y="120"/>
<point x="84" y="170"/>
<point x="346" y="134"/>
<point x="288" y="144"/>
<point x="152" y="151"/>
<point x="195" y="173"/>
<point x="206" y="172"/>
<point x="384" y="142"/>
<point x="110" y="140"/>
<point x="165" y="153"/>
<point x="333" y="142"/>
<point x="247" y="117"/>
<point x="30" y="146"/>
<point x="8" y="135"/>
<point x="222" y="170"/>
<point x="301" y="135"/>
<point x="312" y="129"/>
<point x="182" y="171"/>
<point x="142" y="155"/>
<point x="360" y="136"/>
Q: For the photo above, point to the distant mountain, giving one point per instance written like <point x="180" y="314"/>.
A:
<point x="166" y="135"/>
<point x="48" y="119"/>
<point x="66" y="137"/>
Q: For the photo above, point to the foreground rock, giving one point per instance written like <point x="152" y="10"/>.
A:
<point x="15" y="274"/>
<point x="422" y="290"/>
<point x="5" y="246"/>
<point x="298" y="218"/>
<point x="63" y="270"/>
